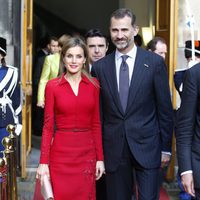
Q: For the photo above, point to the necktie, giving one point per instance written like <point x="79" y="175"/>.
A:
<point x="124" y="82"/>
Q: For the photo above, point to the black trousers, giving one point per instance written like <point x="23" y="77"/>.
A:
<point x="120" y="184"/>
<point x="37" y="120"/>
<point x="197" y="193"/>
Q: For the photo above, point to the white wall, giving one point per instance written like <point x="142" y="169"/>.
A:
<point x="145" y="13"/>
<point x="141" y="9"/>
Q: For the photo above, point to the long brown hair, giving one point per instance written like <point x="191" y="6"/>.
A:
<point x="2" y="61"/>
<point x="73" y="42"/>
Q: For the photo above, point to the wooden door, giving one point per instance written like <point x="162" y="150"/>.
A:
<point x="26" y="76"/>
<point x="166" y="27"/>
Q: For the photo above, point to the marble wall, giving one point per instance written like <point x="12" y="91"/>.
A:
<point x="10" y="20"/>
<point x="186" y="8"/>
<point x="6" y="28"/>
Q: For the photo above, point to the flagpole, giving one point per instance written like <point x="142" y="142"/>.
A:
<point x="191" y="25"/>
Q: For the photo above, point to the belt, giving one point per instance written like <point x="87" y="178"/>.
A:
<point x="74" y="129"/>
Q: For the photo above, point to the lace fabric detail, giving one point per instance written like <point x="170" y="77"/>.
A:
<point x="89" y="174"/>
<point x="48" y="130"/>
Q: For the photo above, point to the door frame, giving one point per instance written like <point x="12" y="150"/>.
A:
<point x="167" y="27"/>
<point x="26" y="80"/>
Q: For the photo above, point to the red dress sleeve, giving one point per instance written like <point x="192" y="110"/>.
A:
<point x="96" y="126"/>
<point x="48" y="128"/>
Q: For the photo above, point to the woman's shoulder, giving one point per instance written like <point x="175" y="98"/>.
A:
<point x="53" y="82"/>
<point x="91" y="81"/>
<point x="95" y="83"/>
<point x="95" y="80"/>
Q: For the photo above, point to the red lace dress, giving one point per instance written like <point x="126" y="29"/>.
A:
<point x="71" y="139"/>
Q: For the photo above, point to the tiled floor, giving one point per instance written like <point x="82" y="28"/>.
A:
<point x="26" y="187"/>
<point x="172" y="190"/>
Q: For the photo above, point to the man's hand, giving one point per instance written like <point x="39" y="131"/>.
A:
<point x="165" y="160"/>
<point x="40" y="104"/>
<point x="188" y="183"/>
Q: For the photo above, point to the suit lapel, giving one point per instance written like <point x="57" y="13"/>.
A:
<point x="110" y="77"/>
<point x="137" y="77"/>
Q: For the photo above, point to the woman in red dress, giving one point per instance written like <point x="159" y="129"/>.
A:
<point x="71" y="149"/>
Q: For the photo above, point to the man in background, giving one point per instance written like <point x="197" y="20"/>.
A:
<point x="97" y="45"/>
<point x="50" y="70"/>
<point x="138" y="40"/>
<point x="48" y="45"/>
<point x="158" y="45"/>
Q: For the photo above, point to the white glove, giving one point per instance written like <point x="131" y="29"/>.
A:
<point x="18" y="129"/>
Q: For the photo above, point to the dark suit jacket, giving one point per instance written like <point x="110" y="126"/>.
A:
<point x="188" y="125"/>
<point x="148" y="121"/>
<point x="178" y="80"/>
<point x="37" y="70"/>
<point x="37" y="113"/>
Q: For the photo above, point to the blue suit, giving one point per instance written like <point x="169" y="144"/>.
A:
<point x="145" y="128"/>
<point x="10" y="107"/>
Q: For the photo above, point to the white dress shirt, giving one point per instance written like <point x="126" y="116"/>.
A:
<point x="130" y="61"/>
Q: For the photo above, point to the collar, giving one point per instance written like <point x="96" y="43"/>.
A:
<point x="90" y="67"/>
<point x="131" y="53"/>
<point x="3" y="67"/>
<point x="45" y="51"/>
<point x="84" y="79"/>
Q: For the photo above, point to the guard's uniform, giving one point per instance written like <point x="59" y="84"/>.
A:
<point x="10" y="107"/>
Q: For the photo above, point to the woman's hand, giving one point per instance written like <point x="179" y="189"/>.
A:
<point x="100" y="169"/>
<point x="42" y="170"/>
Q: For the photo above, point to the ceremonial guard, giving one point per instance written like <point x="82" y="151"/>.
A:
<point x="10" y="107"/>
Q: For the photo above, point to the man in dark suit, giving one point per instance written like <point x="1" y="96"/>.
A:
<point x="188" y="133"/>
<point x="158" y="45"/>
<point x="137" y="115"/>
<point x="49" y="45"/>
<point x="179" y="76"/>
